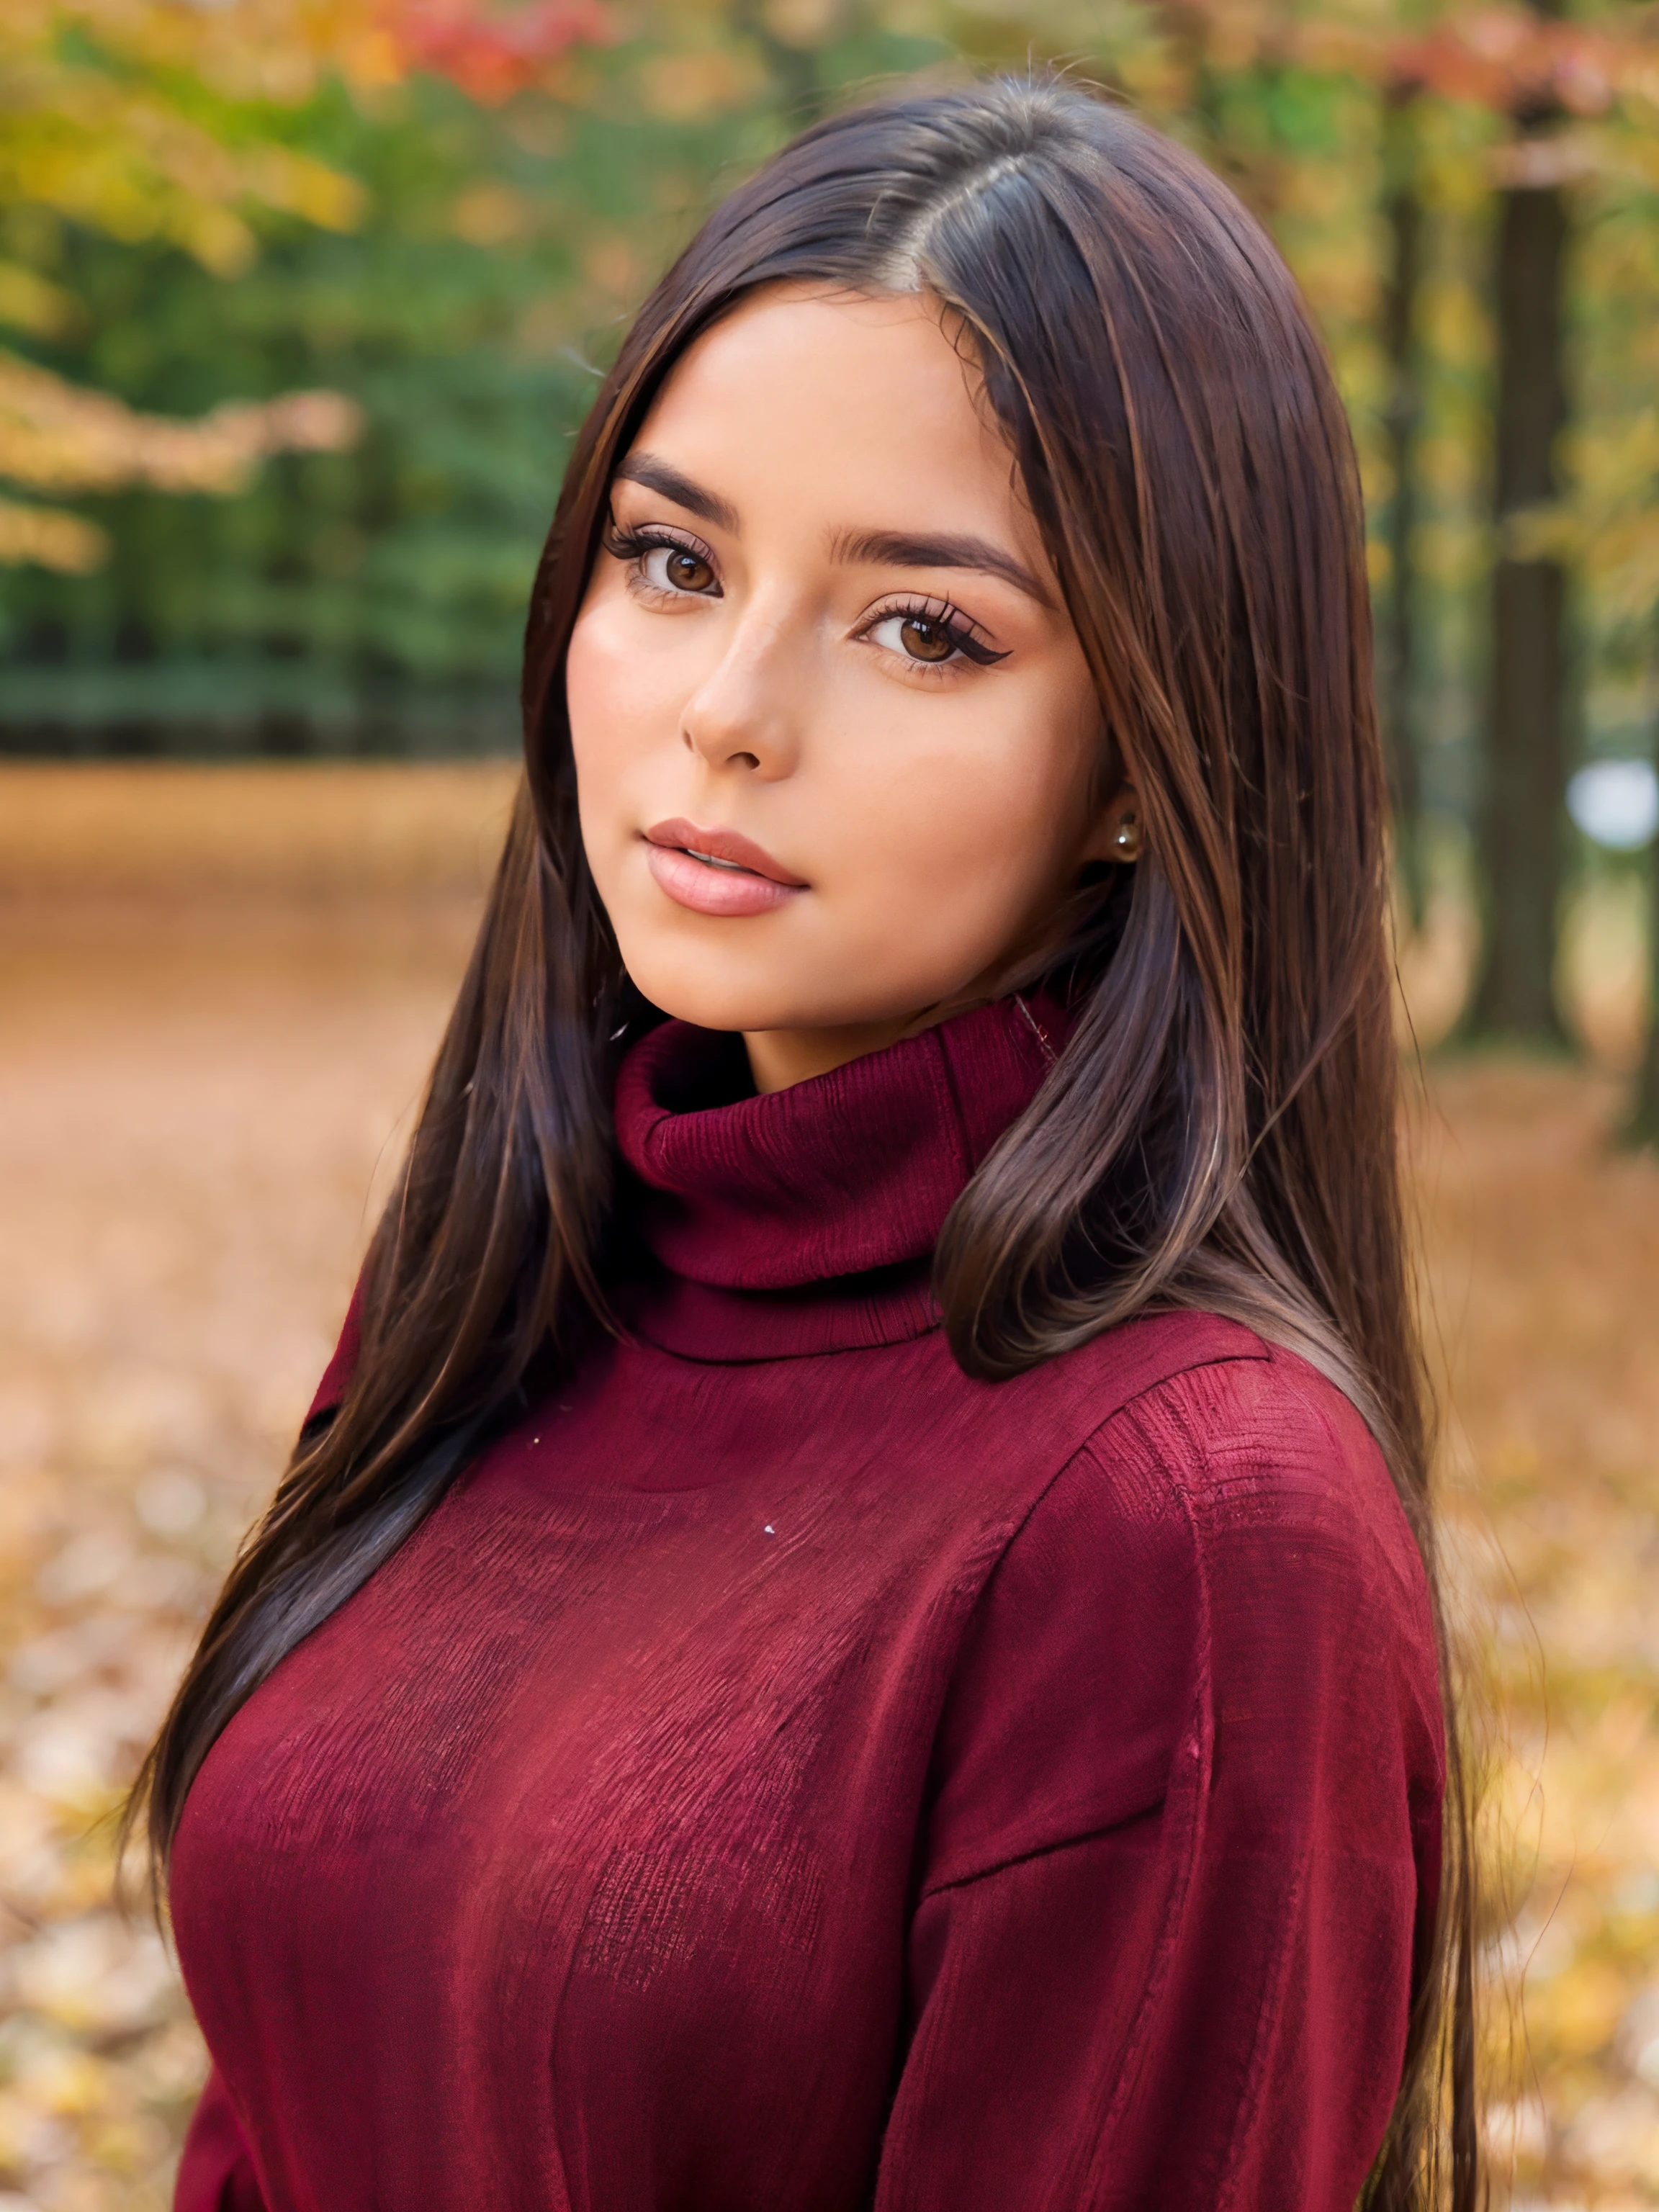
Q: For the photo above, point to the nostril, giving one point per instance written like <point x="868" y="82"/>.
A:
<point x="746" y="760"/>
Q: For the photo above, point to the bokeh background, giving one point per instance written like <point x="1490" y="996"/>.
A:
<point x="300" y="302"/>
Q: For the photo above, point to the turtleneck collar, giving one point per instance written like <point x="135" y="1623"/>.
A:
<point x="804" y="1220"/>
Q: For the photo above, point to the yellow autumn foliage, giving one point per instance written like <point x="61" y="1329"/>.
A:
<point x="93" y="132"/>
<point x="62" y="439"/>
<point x="52" y="537"/>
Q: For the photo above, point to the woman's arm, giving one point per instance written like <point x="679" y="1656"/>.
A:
<point x="1185" y="1834"/>
<point x="215" y="2172"/>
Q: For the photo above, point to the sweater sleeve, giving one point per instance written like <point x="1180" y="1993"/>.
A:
<point x="215" y="2171"/>
<point x="1184" y="1848"/>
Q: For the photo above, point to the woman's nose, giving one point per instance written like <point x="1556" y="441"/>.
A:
<point x="745" y="715"/>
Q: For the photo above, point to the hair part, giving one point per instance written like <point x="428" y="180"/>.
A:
<point x="1219" y="1132"/>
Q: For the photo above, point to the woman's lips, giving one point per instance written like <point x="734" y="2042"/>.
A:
<point x="716" y="871"/>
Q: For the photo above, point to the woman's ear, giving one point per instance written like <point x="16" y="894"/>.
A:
<point x="1116" y="835"/>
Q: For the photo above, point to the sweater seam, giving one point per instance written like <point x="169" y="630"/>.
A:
<point x="1085" y="1442"/>
<point x="1203" y="1722"/>
<point x="1188" y="1513"/>
<point x="1050" y="1849"/>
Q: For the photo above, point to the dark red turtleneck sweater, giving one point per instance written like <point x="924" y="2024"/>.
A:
<point x="785" y="1775"/>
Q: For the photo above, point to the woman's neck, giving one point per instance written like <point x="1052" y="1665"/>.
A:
<point x="779" y="1058"/>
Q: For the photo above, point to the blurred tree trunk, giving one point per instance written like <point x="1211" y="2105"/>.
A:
<point x="1644" y="1128"/>
<point x="1522" y="839"/>
<point x="1398" y="658"/>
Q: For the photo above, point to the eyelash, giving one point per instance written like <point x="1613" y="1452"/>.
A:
<point x="956" y="625"/>
<point x="632" y="545"/>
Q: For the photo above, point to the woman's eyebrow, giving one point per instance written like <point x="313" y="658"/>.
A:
<point x="899" y="549"/>
<point x="661" y="476"/>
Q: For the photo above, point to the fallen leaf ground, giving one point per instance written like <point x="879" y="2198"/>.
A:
<point x="218" y="994"/>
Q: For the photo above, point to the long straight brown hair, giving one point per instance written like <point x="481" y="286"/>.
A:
<point x="1219" y="1132"/>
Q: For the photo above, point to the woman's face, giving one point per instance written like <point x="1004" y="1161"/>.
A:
<point x="836" y="745"/>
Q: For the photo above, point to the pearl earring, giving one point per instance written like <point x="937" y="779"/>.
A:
<point x="1127" y="842"/>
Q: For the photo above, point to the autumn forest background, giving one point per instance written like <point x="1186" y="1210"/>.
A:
<point x="300" y="302"/>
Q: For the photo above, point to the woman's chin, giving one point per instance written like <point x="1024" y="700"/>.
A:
<point x="694" y="991"/>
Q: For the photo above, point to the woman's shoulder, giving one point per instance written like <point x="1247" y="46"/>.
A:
<point x="1248" y="1444"/>
<point x="1224" y="1551"/>
<point x="1234" y="1498"/>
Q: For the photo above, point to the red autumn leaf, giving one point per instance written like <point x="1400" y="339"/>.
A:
<point x="489" y="53"/>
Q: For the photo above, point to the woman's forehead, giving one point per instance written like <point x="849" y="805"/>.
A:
<point x="861" y="412"/>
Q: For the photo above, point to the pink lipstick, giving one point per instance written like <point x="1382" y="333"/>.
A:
<point x="716" y="871"/>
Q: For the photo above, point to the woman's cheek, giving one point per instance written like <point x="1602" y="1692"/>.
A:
<point x="620" y="707"/>
<point x="607" y="688"/>
<point x="600" y="731"/>
<point x="972" y="817"/>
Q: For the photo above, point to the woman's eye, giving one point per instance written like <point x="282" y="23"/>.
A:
<point x="675" y="568"/>
<point x="918" y="637"/>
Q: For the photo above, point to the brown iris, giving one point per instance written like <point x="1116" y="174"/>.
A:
<point x="926" y="641"/>
<point x="688" y="571"/>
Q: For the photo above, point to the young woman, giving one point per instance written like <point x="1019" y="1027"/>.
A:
<point x="854" y="1623"/>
